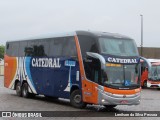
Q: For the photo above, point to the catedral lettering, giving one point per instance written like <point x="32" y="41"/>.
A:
<point x="46" y="62"/>
<point x="119" y="60"/>
<point x="87" y="72"/>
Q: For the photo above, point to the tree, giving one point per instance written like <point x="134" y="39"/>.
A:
<point x="2" y="48"/>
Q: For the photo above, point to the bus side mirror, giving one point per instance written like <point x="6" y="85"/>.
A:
<point x="98" y="56"/>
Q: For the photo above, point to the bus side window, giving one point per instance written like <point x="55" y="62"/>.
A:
<point x="87" y="44"/>
<point x="29" y="50"/>
<point x="55" y="47"/>
<point x="41" y="48"/>
<point x="69" y="47"/>
<point x="92" y="69"/>
<point x="8" y="49"/>
<point x="13" y="49"/>
<point x="22" y="47"/>
<point x="7" y="46"/>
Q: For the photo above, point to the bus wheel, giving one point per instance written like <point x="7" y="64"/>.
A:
<point x="76" y="99"/>
<point x="32" y="95"/>
<point x="25" y="92"/>
<point x="110" y="106"/>
<point x="145" y="84"/>
<point x="18" y="89"/>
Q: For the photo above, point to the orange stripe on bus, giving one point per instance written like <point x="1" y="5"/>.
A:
<point x="9" y="69"/>
<point x="125" y="92"/>
<point x="89" y="94"/>
<point x="80" y="57"/>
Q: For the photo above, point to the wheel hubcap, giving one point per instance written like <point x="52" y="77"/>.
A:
<point x="145" y="84"/>
<point x="24" y="91"/>
<point x="18" y="89"/>
<point x="77" y="98"/>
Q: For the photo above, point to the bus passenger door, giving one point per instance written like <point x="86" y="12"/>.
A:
<point x="92" y="71"/>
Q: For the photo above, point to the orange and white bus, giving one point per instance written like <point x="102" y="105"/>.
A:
<point x="153" y="81"/>
<point x="85" y="67"/>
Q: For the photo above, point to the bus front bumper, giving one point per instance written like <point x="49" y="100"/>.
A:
<point x="118" y="99"/>
<point x="153" y="85"/>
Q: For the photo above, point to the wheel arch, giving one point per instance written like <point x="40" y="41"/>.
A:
<point x="74" y="87"/>
<point x="144" y="81"/>
<point x="15" y="83"/>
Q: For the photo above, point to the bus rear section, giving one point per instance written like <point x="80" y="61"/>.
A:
<point x="85" y="67"/>
<point x="152" y="80"/>
<point x="42" y="66"/>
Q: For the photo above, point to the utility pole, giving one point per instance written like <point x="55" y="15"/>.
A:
<point x="141" y="35"/>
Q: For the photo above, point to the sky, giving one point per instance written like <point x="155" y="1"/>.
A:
<point x="22" y="19"/>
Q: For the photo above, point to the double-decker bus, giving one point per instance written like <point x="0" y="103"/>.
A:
<point x="85" y="67"/>
<point x="154" y="80"/>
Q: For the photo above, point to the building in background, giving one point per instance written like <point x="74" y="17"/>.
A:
<point x="150" y="52"/>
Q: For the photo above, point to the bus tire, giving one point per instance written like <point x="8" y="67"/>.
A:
<point x="18" y="89"/>
<point x="110" y="106"/>
<point x="32" y="95"/>
<point x="25" y="92"/>
<point x="76" y="99"/>
<point x="145" y="84"/>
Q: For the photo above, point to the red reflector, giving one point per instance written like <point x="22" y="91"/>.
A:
<point x="124" y="102"/>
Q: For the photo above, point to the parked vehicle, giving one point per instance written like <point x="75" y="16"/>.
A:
<point x="83" y="66"/>
<point x="154" y="80"/>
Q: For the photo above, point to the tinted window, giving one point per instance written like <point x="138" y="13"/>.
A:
<point x="12" y="48"/>
<point x="69" y="48"/>
<point x="22" y="47"/>
<point x="7" y="48"/>
<point x="29" y="50"/>
<point x="41" y="48"/>
<point x="64" y="46"/>
<point x="56" y="46"/>
<point x="92" y="69"/>
<point x="37" y="48"/>
<point x="87" y="44"/>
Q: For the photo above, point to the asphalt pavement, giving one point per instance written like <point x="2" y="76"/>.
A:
<point x="9" y="101"/>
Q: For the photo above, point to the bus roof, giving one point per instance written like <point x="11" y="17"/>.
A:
<point x="98" y="33"/>
<point x="89" y="33"/>
<point x="154" y="60"/>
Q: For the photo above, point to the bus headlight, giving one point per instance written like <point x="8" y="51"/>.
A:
<point x="103" y="100"/>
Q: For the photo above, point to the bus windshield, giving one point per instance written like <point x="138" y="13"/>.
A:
<point x="155" y="73"/>
<point x="121" y="76"/>
<point x="122" y="47"/>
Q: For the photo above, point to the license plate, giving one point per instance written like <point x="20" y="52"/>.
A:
<point x="124" y="102"/>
